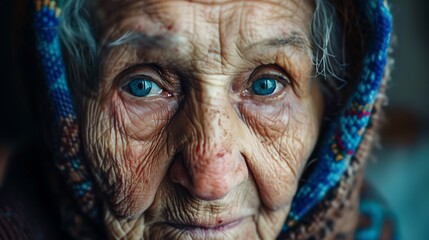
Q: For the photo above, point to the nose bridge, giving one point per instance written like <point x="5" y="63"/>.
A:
<point x="212" y="163"/>
<point x="209" y="150"/>
<point x="209" y="112"/>
<point x="214" y="122"/>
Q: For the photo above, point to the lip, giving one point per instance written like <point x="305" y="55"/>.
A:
<point x="205" y="229"/>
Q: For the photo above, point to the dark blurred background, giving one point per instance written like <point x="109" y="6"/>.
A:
<point x="399" y="168"/>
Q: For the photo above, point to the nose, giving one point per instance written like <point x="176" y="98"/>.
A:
<point x="210" y="164"/>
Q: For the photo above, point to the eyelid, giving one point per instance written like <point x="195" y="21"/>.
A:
<point x="132" y="77"/>
<point x="285" y="81"/>
<point x="149" y="71"/>
<point x="274" y="72"/>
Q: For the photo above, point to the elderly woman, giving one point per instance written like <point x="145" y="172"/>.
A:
<point x="212" y="119"/>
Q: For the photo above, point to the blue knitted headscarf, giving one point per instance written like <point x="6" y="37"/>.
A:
<point x="336" y="152"/>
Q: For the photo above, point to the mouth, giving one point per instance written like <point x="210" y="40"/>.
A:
<point x="207" y="229"/>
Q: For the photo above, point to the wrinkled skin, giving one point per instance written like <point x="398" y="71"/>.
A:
<point x="206" y="157"/>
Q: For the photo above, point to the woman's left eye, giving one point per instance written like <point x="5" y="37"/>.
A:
<point x="266" y="86"/>
<point x="142" y="87"/>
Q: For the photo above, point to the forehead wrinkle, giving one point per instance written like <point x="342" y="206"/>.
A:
<point x="159" y="46"/>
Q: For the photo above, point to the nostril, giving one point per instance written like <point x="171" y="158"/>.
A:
<point x="209" y="174"/>
<point x="178" y="173"/>
<point x="199" y="184"/>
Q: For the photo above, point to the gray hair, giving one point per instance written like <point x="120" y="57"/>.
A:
<point x="81" y="51"/>
<point x="328" y="43"/>
<point x="79" y="46"/>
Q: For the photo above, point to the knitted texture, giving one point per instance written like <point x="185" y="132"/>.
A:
<point x="345" y="134"/>
<point x="68" y="153"/>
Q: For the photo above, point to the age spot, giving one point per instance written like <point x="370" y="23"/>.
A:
<point x="220" y="154"/>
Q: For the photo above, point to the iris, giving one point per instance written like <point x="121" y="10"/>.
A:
<point x="264" y="86"/>
<point x="139" y="87"/>
<point x="142" y="87"/>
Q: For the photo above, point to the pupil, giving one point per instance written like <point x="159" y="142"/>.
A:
<point x="140" y="85"/>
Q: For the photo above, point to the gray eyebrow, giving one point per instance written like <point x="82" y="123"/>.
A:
<point x="296" y="40"/>
<point x="293" y="39"/>
<point x="142" y="40"/>
<point x="131" y="38"/>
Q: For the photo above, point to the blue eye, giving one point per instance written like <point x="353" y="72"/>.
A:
<point x="141" y="87"/>
<point x="264" y="86"/>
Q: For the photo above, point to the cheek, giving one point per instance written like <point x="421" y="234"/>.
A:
<point x="126" y="148"/>
<point x="285" y="134"/>
<point x="140" y="120"/>
<point x="267" y="122"/>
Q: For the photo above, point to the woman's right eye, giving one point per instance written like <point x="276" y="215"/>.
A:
<point x="142" y="87"/>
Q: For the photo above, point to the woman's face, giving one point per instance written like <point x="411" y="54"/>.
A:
<point x="205" y="116"/>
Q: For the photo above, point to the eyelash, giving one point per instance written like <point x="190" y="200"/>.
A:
<point x="284" y="80"/>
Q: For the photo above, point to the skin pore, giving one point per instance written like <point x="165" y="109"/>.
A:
<point x="204" y="153"/>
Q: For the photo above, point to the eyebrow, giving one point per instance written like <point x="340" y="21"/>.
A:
<point x="296" y="40"/>
<point x="143" y="40"/>
<point x="293" y="39"/>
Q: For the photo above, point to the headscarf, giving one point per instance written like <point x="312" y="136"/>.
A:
<point x="325" y="204"/>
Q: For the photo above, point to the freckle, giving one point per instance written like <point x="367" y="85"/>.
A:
<point x="170" y="27"/>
